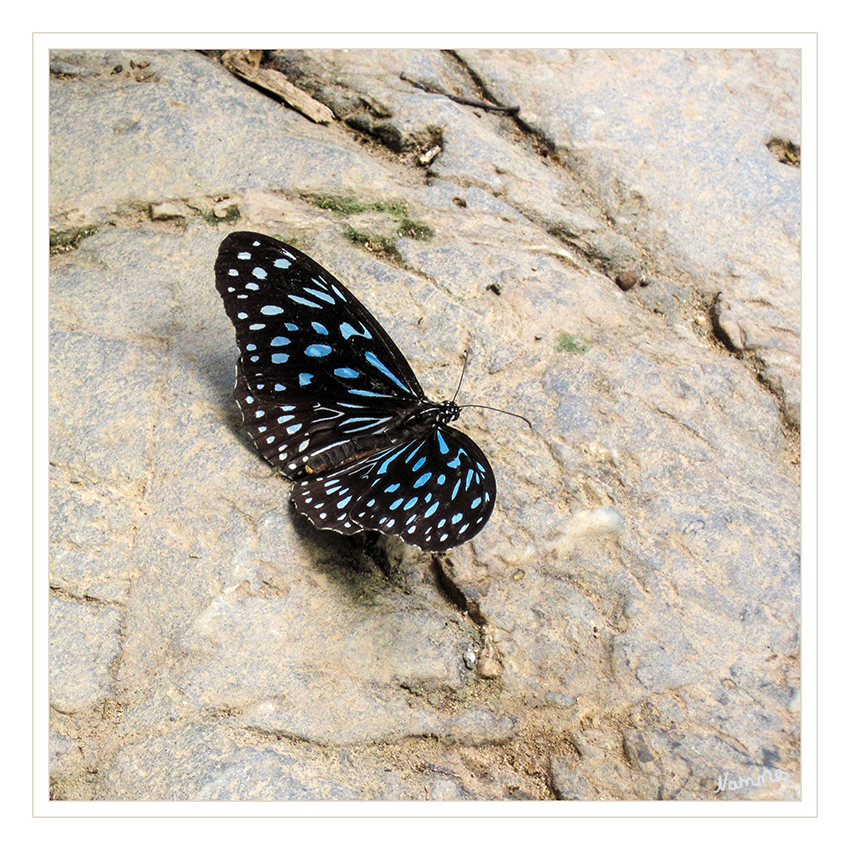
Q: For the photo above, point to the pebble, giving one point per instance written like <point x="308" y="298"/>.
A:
<point x="166" y="212"/>
<point x="626" y="280"/>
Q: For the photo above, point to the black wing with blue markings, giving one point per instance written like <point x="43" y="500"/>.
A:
<point x="329" y="399"/>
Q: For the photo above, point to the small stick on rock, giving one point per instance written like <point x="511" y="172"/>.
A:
<point x="245" y="64"/>
<point x="480" y="104"/>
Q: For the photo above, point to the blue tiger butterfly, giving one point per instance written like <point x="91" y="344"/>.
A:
<point x="330" y="401"/>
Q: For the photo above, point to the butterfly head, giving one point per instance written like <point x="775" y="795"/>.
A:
<point x="429" y="414"/>
<point x="448" y="412"/>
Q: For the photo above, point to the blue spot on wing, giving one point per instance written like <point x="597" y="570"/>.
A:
<point x="368" y="393"/>
<point x="319" y="294"/>
<point x="349" y="331"/>
<point x="304" y="301"/>
<point x="316" y="350"/>
<point x="385" y="465"/>
<point x="375" y="361"/>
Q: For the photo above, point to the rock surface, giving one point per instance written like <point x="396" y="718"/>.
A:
<point x="627" y="624"/>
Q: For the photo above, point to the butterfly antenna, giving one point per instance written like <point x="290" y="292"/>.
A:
<point x="484" y="406"/>
<point x="499" y="410"/>
<point x="462" y="373"/>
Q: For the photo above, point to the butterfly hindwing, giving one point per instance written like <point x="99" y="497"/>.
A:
<point x="434" y="491"/>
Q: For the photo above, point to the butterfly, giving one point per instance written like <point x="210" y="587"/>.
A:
<point x="329" y="400"/>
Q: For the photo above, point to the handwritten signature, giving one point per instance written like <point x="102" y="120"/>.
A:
<point x="724" y="783"/>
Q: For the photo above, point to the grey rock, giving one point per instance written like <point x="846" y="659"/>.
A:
<point x="71" y="70"/>
<point x="102" y="407"/>
<point x="196" y="763"/>
<point x="182" y="138"/>
<point x="92" y="530"/>
<point x="627" y="624"/>
<point x="612" y="115"/>
<point x="84" y="644"/>
<point x="565" y="783"/>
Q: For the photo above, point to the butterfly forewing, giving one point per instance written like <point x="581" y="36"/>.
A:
<point x="435" y="491"/>
<point x="316" y="369"/>
<point x="329" y="399"/>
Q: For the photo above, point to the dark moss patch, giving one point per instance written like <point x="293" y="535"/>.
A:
<point x="415" y="230"/>
<point x="69" y="240"/>
<point x="293" y="239"/>
<point x="352" y="206"/>
<point x="380" y="245"/>
<point x="213" y="210"/>
<point x="785" y="151"/>
<point x="231" y="214"/>
<point x="396" y="210"/>
<point x="573" y="343"/>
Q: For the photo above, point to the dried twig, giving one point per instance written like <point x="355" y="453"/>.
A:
<point x="480" y="104"/>
<point x="245" y="64"/>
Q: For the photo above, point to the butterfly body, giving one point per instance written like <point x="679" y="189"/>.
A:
<point x="419" y="421"/>
<point x="329" y="400"/>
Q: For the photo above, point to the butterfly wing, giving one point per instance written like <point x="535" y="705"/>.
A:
<point x="435" y="491"/>
<point x="316" y="370"/>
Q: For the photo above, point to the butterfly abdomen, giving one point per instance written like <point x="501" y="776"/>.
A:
<point x="339" y="455"/>
<point x="419" y="421"/>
